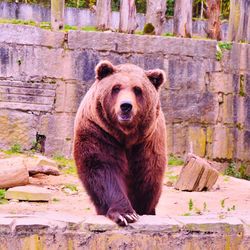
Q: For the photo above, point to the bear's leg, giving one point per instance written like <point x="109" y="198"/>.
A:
<point x="107" y="191"/>
<point x="147" y="171"/>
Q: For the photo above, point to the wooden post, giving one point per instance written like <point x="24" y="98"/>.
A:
<point x="156" y="14"/>
<point x="239" y="21"/>
<point x="103" y="14"/>
<point x="183" y="18"/>
<point x="57" y="14"/>
<point x="128" y="22"/>
<point x="213" y="14"/>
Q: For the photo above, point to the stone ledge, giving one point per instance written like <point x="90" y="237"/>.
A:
<point x="29" y="35"/>
<point x="149" y="232"/>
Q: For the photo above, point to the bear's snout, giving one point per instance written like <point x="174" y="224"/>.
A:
<point x="126" y="106"/>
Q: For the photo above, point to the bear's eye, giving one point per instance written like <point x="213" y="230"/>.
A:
<point x="116" y="89"/>
<point x="137" y="91"/>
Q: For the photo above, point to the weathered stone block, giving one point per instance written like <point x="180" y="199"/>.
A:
<point x="179" y="141"/>
<point x="194" y="107"/>
<point x="226" y="109"/>
<point x="156" y="224"/>
<point x="229" y="225"/>
<point x="185" y="74"/>
<point x="221" y="82"/>
<point x="58" y="129"/>
<point x="197" y="140"/>
<point x="17" y="128"/>
<point x="28" y="193"/>
<point x="223" y="142"/>
<point x="6" y="225"/>
<point x="99" y="224"/>
<point x="69" y="96"/>
<point x="29" y="35"/>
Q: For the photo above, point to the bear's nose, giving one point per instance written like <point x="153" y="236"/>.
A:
<point x="126" y="106"/>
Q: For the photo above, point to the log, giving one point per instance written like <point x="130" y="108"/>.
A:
<point x="128" y="23"/>
<point x="197" y="174"/>
<point x="13" y="172"/>
<point x="213" y="13"/>
<point x="103" y="14"/>
<point x="239" y="21"/>
<point x="156" y="14"/>
<point x="183" y="18"/>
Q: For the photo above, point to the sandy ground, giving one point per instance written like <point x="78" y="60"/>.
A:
<point x="229" y="196"/>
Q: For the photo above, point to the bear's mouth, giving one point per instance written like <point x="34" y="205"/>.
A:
<point x="124" y="117"/>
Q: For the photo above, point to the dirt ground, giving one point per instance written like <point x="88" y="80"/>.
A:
<point x="229" y="196"/>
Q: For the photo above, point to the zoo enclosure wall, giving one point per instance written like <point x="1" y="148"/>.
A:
<point x="44" y="75"/>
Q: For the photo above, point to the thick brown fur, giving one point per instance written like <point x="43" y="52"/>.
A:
<point x="119" y="141"/>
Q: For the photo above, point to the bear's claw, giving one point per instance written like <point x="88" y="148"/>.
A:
<point x="123" y="219"/>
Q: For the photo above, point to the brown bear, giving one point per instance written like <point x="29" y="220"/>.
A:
<point x="119" y="141"/>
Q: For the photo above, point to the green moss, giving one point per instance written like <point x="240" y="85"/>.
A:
<point x="175" y="161"/>
<point x="66" y="165"/>
<point x="2" y="197"/>
<point x="139" y="32"/>
<point x="149" y="29"/>
<point x="241" y="91"/>
<point x="239" y="126"/>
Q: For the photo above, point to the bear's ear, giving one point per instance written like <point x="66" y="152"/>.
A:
<point x="156" y="76"/>
<point x="104" y="69"/>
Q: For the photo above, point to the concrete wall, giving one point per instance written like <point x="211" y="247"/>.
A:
<point x="84" y="17"/>
<point x="62" y="231"/>
<point x="44" y="75"/>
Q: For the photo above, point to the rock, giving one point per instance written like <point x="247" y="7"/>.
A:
<point x="13" y="172"/>
<point x="196" y="175"/>
<point x="41" y="165"/>
<point x="28" y="193"/>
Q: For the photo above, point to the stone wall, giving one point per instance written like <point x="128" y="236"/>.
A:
<point x="44" y="75"/>
<point x="85" y="17"/>
<point x="62" y="231"/>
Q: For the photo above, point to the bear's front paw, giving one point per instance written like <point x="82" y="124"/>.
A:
<point x="121" y="218"/>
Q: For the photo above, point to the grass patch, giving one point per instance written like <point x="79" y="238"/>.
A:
<point x="69" y="27"/>
<point x="14" y="149"/>
<point x="175" y="161"/>
<point x="2" y="197"/>
<point x="89" y="28"/>
<point x="220" y="48"/>
<point x="71" y="187"/>
<point x="18" y="21"/>
<point x="240" y="173"/>
<point x="45" y="25"/>
<point x="56" y="200"/>
<point x="169" y="34"/>
<point x="67" y="166"/>
<point x="171" y="176"/>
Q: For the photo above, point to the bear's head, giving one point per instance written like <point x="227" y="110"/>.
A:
<point x="128" y="96"/>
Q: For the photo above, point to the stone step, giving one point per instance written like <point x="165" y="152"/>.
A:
<point x="29" y="193"/>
